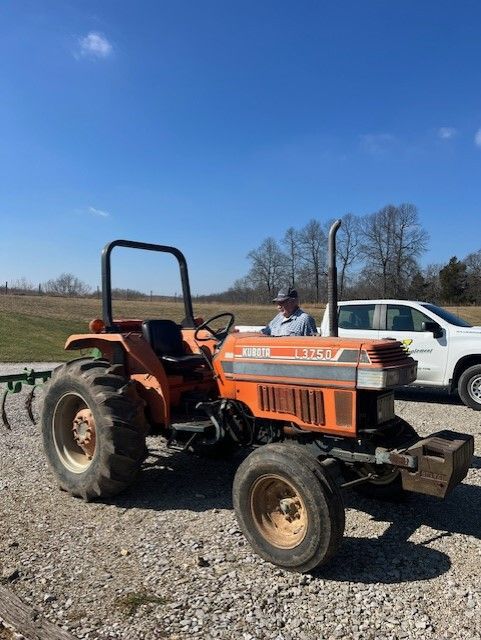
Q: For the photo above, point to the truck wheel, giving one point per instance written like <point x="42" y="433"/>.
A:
<point x="288" y="507"/>
<point x="469" y="387"/>
<point x="93" y="429"/>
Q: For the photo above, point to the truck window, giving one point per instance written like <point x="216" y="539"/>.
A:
<point x="356" y="316"/>
<point x="401" y="318"/>
<point x="447" y="315"/>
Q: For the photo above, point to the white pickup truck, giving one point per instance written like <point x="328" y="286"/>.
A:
<point x="447" y="348"/>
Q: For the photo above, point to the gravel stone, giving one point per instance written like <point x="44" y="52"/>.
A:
<point x="166" y="559"/>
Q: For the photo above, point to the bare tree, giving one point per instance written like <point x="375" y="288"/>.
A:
<point x="431" y="275"/>
<point x="473" y="270"/>
<point x="313" y="247"/>
<point x="128" y="294"/>
<point x="21" y="285"/>
<point x="377" y="256"/>
<point x="291" y="243"/>
<point x="348" y="247"/>
<point x="268" y="266"/>
<point x="240" y="291"/>
<point x="410" y="242"/>
<point x="392" y="241"/>
<point x="377" y="245"/>
<point x="66" y="285"/>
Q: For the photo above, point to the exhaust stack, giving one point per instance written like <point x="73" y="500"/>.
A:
<point x="332" y="280"/>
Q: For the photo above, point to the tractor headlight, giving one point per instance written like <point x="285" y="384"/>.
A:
<point x="377" y="378"/>
<point x="371" y="378"/>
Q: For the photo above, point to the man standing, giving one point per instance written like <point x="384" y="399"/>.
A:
<point x="291" y="319"/>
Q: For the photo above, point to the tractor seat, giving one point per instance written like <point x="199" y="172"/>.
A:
<point x="165" y="338"/>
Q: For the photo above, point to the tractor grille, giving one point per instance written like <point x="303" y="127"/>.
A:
<point x="343" y="402"/>
<point x="306" y="404"/>
<point x="387" y="354"/>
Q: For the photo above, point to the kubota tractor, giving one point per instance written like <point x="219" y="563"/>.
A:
<point x="306" y="406"/>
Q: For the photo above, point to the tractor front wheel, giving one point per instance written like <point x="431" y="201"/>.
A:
<point x="93" y="429"/>
<point x="288" y="507"/>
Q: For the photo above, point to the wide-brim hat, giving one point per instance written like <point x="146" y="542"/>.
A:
<point x="285" y="294"/>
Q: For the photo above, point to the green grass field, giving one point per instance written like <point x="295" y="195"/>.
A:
<point x="34" y="328"/>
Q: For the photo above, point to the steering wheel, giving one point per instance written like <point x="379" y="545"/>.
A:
<point x="217" y="334"/>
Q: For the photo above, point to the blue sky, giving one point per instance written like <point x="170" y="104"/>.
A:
<point x="212" y="125"/>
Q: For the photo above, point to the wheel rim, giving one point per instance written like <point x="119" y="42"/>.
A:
<point x="474" y="389"/>
<point x="278" y="511"/>
<point x="74" y="433"/>
<point x="382" y="476"/>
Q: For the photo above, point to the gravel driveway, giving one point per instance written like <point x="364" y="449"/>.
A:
<point x="166" y="558"/>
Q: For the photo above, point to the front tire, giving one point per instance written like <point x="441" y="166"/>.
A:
<point x="93" y="429"/>
<point x="288" y="507"/>
<point x="469" y="387"/>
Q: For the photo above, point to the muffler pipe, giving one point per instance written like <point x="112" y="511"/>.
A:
<point x="332" y="279"/>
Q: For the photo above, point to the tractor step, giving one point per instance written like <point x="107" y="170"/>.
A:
<point x="183" y="434"/>
<point x="199" y="426"/>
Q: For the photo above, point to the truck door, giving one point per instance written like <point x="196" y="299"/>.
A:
<point x="358" y="321"/>
<point x="406" y="325"/>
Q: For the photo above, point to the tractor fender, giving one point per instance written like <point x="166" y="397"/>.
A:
<point x="142" y="363"/>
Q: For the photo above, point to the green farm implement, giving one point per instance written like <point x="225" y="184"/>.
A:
<point x="14" y="384"/>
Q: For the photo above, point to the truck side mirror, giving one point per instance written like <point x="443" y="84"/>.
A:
<point x="434" y="327"/>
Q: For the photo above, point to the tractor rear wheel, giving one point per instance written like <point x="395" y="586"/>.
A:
<point x="288" y="507"/>
<point x="93" y="428"/>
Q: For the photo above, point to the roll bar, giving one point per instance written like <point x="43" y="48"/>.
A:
<point x="107" y="279"/>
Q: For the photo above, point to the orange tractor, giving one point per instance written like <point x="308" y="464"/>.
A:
<point x="316" y="412"/>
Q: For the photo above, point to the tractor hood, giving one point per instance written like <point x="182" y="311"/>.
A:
<point x="313" y="360"/>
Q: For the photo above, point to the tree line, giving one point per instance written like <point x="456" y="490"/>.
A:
<point x="69" y="286"/>
<point x="378" y="256"/>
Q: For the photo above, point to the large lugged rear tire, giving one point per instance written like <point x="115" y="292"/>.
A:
<point x="93" y="429"/>
<point x="288" y="507"/>
<point x="469" y="387"/>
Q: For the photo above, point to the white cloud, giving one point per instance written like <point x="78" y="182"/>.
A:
<point x="477" y="138"/>
<point x="94" y="45"/>
<point x="376" y="142"/>
<point x="98" y="212"/>
<point x="446" y="133"/>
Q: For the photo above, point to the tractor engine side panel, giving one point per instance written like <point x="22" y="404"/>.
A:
<point x="330" y="411"/>
<point x="309" y="381"/>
